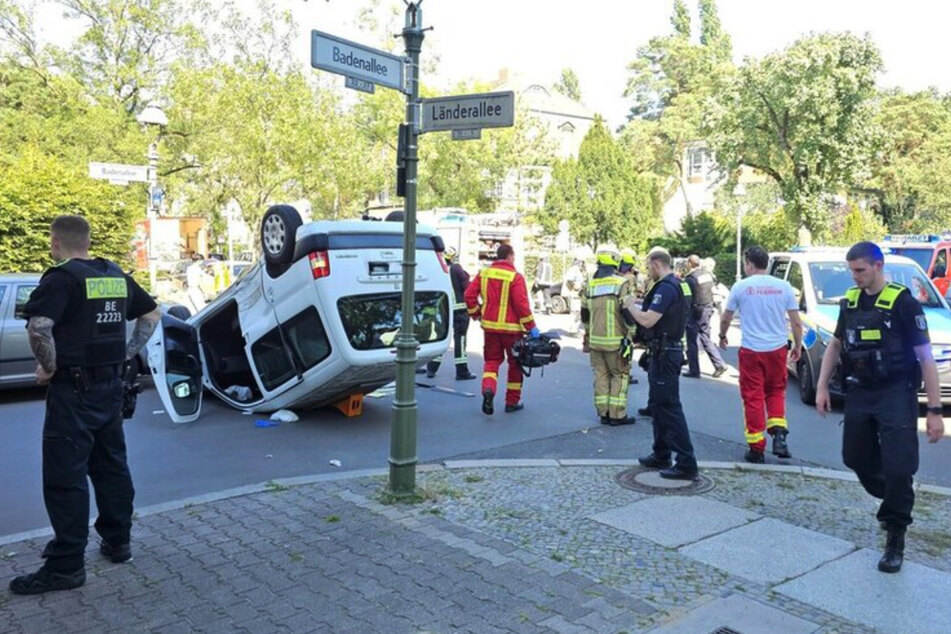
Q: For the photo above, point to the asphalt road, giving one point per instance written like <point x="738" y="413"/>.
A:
<point x="224" y="448"/>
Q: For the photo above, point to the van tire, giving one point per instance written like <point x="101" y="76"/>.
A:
<point x="807" y="388"/>
<point x="180" y="312"/>
<point x="558" y="304"/>
<point x="279" y="234"/>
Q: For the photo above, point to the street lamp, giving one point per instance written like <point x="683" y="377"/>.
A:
<point x="153" y="116"/>
<point x="739" y="191"/>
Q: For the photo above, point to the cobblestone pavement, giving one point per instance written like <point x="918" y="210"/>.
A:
<point x="483" y="550"/>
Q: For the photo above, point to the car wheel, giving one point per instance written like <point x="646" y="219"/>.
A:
<point x="558" y="304"/>
<point x="278" y="233"/>
<point x="807" y="387"/>
<point x="179" y="312"/>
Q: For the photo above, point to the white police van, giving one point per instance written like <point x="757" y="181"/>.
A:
<point x="313" y="322"/>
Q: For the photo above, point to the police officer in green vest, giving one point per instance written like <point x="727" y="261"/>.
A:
<point x="605" y="334"/>
<point x="77" y="325"/>
<point x="664" y="316"/>
<point x="882" y="342"/>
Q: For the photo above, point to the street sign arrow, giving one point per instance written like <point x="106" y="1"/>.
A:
<point x="337" y="55"/>
<point x="467" y="112"/>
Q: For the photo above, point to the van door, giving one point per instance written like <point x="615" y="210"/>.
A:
<point x="17" y="363"/>
<point x="177" y="368"/>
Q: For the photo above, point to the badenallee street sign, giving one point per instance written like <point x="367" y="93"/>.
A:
<point x="469" y="112"/>
<point x="360" y="64"/>
<point x="119" y="172"/>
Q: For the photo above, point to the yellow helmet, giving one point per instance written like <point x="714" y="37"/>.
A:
<point x="628" y="256"/>
<point x="608" y="256"/>
<point x="450" y="253"/>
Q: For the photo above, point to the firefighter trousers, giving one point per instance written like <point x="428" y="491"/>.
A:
<point x="880" y="443"/>
<point x="460" y="328"/>
<point x="763" y="378"/>
<point x="497" y="347"/>
<point x="612" y="374"/>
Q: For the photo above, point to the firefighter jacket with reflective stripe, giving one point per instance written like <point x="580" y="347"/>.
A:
<point x="705" y="283"/>
<point x="93" y="331"/>
<point x="498" y="297"/>
<point x="602" y="303"/>
<point x="674" y="320"/>
<point x="460" y="282"/>
<point x="873" y="349"/>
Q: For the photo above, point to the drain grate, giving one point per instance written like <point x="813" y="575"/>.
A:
<point x="648" y="481"/>
<point x="725" y="630"/>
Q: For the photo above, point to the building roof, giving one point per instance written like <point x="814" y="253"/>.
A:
<point x="538" y="98"/>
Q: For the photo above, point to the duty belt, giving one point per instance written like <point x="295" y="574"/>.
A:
<point x="84" y="376"/>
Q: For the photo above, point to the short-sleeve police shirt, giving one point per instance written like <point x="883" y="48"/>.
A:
<point x="907" y="312"/>
<point x="664" y="298"/>
<point x="58" y="290"/>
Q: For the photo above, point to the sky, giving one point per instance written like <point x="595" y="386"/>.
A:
<point x="474" y="39"/>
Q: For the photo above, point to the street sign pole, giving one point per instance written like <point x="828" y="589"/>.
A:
<point x="403" y="457"/>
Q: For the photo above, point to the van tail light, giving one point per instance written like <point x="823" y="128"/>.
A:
<point x="442" y="262"/>
<point x="319" y="264"/>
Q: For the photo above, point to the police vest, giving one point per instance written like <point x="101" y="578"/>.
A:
<point x="705" y="284"/>
<point x="673" y="322"/>
<point x="93" y="332"/>
<point x="607" y="327"/>
<point x="873" y="349"/>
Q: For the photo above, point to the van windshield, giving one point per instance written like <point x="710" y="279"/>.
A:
<point x="832" y="279"/>
<point x="373" y="321"/>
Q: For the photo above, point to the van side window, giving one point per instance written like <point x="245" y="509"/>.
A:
<point x="778" y="268"/>
<point x="23" y="296"/>
<point x="307" y="337"/>
<point x="305" y="334"/>
<point x="795" y="280"/>
<point x="272" y="360"/>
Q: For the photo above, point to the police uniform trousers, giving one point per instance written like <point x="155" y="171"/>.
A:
<point x="460" y="328"/>
<point x="670" y="425"/>
<point x="698" y="336"/>
<point x="82" y="435"/>
<point x="763" y="379"/>
<point x="612" y="373"/>
<point x="497" y="347"/>
<point x="880" y="443"/>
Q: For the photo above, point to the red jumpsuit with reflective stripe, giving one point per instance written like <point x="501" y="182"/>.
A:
<point x="498" y="297"/>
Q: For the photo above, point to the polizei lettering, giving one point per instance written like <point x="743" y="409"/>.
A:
<point x="352" y="60"/>
<point x="480" y="110"/>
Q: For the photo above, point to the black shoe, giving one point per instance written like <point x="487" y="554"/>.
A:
<point x="116" y="554"/>
<point x="678" y="473"/>
<point x="780" y="448"/>
<point x="653" y="462"/>
<point x="719" y="372"/>
<point x="755" y="457"/>
<point x="45" y="580"/>
<point x="894" y="551"/>
<point x="646" y="411"/>
<point x="487" y="407"/>
<point x="605" y="420"/>
<point x="467" y="376"/>
<point x="514" y="408"/>
<point x="421" y="371"/>
<point x="430" y="375"/>
<point x="627" y="420"/>
<point x="690" y="375"/>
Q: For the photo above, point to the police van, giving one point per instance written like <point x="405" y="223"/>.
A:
<point x="311" y="323"/>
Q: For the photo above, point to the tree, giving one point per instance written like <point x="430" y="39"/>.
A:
<point x="600" y="194"/>
<point x="803" y="118"/>
<point x="712" y="36"/>
<point x="568" y="85"/>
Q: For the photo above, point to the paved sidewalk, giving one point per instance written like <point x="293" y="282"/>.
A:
<point x="517" y="546"/>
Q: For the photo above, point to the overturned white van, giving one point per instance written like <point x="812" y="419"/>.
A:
<point x="310" y="324"/>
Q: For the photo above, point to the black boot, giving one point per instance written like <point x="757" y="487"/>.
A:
<point x="780" y="448"/>
<point x="487" y="397"/>
<point x="894" y="550"/>
<point x="45" y="580"/>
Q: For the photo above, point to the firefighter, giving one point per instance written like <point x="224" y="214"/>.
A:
<point x="460" y="320"/>
<point x="882" y="341"/>
<point x="606" y="338"/>
<point x="498" y="297"/>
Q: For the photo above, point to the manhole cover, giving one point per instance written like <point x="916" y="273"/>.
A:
<point x="649" y="481"/>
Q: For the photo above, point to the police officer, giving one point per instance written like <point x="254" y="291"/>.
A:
<point x="701" y="284"/>
<point x="667" y="304"/>
<point x="77" y="332"/>
<point x="460" y="320"/>
<point x="882" y="341"/>
<point x="605" y="332"/>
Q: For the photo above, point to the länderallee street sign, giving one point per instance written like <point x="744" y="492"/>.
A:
<point x="344" y="57"/>
<point x="482" y="110"/>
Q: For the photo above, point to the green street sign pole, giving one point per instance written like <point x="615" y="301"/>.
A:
<point x="403" y="457"/>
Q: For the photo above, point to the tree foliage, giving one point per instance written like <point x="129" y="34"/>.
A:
<point x="568" y="85"/>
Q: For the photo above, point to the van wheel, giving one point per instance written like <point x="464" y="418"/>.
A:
<point x="179" y="312"/>
<point x="278" y="233"/>
<point x="558" y="304"/>
<point x="807" y="388"/>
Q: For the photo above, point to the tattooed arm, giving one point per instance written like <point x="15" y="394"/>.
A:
<point x="144" y="326"/>
<point x="40" y="331"/>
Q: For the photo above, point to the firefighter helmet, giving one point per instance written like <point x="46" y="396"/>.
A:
<point x="608" y="256"/>
<point x="450" y="253"/>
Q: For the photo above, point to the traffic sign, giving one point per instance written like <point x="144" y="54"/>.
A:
<point x="466" y="134"/>
<point x="119" y="173"/>
<point x="356" y="61"/>
<point x="482" y="110"/>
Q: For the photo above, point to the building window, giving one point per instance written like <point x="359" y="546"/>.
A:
<point x="697" y="159"/>
<point x="567" y="127"/>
